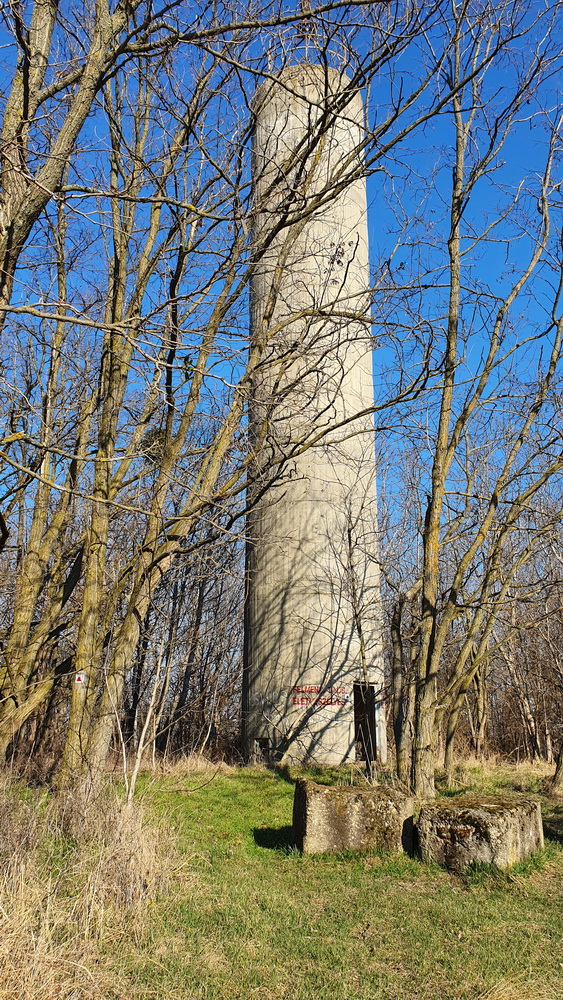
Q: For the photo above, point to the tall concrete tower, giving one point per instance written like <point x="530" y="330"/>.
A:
<point x="313" y="673"/>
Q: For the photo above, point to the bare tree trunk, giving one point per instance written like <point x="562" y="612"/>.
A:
<point x="179" y="708"/>
<point x="482" y="706"/>
<point x="424" y="744"/>
<point x="403" y="686"/>
<point x="451" y="730"/>
<point x="557" y="780"/>
<point x="130" y="724"/>
<point x="530" y="729"/>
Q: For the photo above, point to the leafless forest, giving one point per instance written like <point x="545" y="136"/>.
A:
<point x="126" y="251"/>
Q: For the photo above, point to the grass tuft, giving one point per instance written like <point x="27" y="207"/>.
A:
<point x="74" y="883"/>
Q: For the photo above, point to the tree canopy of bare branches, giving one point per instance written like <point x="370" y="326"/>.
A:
<point x="126" y="252"/>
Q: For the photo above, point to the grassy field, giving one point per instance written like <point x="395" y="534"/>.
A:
<point x="236" y="914"/>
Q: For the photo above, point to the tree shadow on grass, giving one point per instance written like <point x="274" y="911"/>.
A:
<point x="279" y="838"/>
<point x="553" y="825"/>
<point x="284" y="772"/>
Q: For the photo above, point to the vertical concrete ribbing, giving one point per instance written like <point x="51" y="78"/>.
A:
<point x="313" y="604"/>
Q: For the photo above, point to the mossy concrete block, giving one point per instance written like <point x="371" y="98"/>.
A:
<point x="346" y="817"/>
<point x="494" y="830"/>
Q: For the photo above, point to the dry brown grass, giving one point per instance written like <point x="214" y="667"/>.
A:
<point x="161" y="767"/>
<point x="520" y="988"/>
<point x="523" y="776"/>
<point x="495" y="763"/>
<point x="194" y="763"/>
<point x="71" y="879"/>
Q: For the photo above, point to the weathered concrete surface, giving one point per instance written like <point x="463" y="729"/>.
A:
<point x="495" y="830"/>
<point x="349" y="818"/>
<point x="312" y="567"/>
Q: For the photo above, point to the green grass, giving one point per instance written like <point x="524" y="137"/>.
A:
<point x="259" y="922"/>
<point x="209" y="900"/>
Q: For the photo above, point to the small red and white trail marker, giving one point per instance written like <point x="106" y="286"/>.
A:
<point x="79" y="679"/>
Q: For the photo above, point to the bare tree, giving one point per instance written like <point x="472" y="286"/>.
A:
<point x="489" y="444"/>
<point x="127" y="254"/>
<point x="126" y="260"/>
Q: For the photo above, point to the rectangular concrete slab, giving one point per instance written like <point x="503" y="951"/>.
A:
<point x="493" y="830"/>
<point x="347" y="817"/>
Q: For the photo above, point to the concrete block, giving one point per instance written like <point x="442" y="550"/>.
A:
<point x="495" y="830"/>
<point x="344" y="818"/>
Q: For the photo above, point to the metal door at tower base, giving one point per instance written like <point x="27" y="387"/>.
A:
<point x="364" y="721"/>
